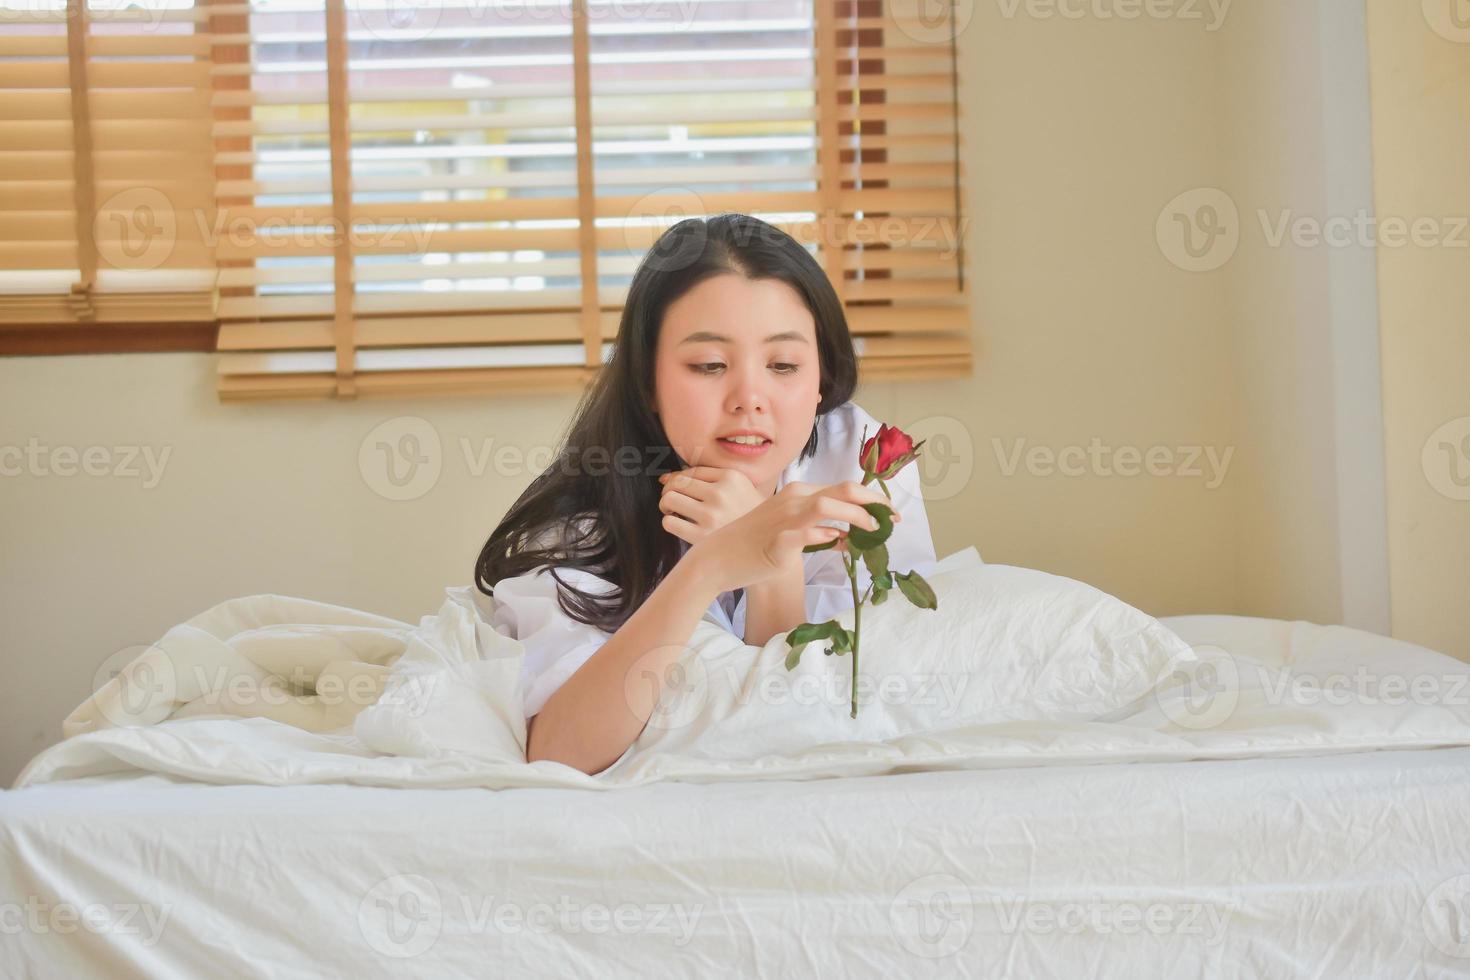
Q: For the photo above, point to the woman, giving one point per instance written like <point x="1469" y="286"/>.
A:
<point x="697" y="467"/>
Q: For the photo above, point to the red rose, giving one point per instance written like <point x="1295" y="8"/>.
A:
<point x="887" y="452"/>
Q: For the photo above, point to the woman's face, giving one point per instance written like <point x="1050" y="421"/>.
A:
<point x="738" y="354"/>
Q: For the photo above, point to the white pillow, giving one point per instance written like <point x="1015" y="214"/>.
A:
<point x="1005" y="644"/>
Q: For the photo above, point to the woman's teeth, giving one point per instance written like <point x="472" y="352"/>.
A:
<point x="745" y="440"/>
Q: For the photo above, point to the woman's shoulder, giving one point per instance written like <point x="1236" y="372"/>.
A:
<point x="839" y="437"/>
<point x="849" y="418"/>
<point x="562" y="545"/>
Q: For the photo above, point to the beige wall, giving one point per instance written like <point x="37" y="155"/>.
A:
<point x="1421" y="149"/>
<point x="1077" y="133"/>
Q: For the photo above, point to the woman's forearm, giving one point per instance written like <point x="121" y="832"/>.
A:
<point x="776" y="605"/>
<point x="589" y="722"/>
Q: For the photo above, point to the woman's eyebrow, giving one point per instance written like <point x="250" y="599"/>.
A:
<point x="704" y="335"/>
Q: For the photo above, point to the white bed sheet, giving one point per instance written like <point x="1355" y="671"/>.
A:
<point x="1351" y="864"/>
<point x="1284" y="867"/>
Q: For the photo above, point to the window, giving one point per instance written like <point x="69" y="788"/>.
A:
<point x="452" y="195"/>
<point x="105" y="182"/>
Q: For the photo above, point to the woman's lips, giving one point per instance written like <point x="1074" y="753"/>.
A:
<point x="740" y="449"/>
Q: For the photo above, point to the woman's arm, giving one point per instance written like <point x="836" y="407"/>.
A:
<point x="591" y="719"/>
<point x="777" y="605"/>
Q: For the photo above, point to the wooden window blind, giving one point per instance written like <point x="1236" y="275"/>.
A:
<point x="452" y="195"/>
<point x="105" y="182"/>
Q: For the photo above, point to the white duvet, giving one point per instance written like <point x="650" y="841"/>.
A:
<point x="1015" y="668"/>
<point x="1065" y="834"/>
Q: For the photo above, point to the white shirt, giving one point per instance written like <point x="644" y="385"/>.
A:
<point x="525" y="607"/>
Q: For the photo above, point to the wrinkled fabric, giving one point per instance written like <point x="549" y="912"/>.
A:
<point x="1283" y="835"/>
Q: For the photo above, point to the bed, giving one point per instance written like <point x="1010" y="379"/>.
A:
<point x="1318" y="858"/>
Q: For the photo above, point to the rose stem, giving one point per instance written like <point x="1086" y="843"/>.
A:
<point x="857" y="625"/>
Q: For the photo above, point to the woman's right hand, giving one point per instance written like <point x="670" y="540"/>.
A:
<point x="768" y="540"/>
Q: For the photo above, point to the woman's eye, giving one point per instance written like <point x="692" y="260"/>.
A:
<point x="713" y="366"/>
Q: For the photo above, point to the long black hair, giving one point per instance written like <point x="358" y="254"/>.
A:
<point x="608" y="465"/>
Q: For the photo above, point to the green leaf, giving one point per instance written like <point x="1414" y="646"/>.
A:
<point x="877" y="561"/>
<point x="841" y="640"/>
<point x="809" y="633"/>
<point x="917" y="591"/>
<point x="824" y="546"/>
<point x="861" y="539"/>
<point x="880" y="596"/>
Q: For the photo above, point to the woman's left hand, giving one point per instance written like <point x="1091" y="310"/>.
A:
<point x="710" y="496"/>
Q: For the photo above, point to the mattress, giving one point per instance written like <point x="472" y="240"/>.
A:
<point x="1281" y="867"/>
<point x="1349" y="864"/>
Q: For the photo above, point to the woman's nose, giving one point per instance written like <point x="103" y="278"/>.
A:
<point x="748" y="390"/>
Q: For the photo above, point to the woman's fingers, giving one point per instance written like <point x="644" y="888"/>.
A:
<point x="675" y="502"/>
<point x="856" y="493"/>
<point x="687" y="483"/>
<point x="819" y="534"/>
<point x="870" y="495"/>
<point x="831" y="508"/>
<point x="680" y="528"/>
